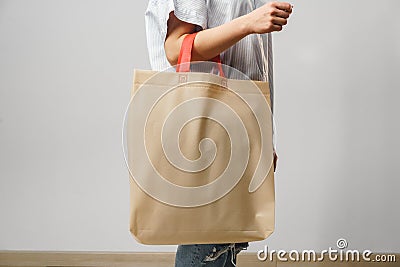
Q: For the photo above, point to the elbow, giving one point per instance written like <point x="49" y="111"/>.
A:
<point x="171" y="52"/>
<point x="172" y="59"/>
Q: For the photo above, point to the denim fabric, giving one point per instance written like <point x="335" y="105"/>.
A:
<point x="208" y="255"/>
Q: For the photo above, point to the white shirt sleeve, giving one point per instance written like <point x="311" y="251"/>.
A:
<point x="156" y="18"/>
<point x="192" y="11"/>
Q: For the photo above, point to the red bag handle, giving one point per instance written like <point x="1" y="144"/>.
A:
<point x="185" y="55"/>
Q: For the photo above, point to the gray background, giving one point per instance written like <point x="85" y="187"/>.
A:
<point x="65" y="74"/>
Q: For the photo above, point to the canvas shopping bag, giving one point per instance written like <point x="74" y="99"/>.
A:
<point x="200" y="157"/>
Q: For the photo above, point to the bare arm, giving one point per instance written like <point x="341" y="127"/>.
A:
<point x="212" y="42"/>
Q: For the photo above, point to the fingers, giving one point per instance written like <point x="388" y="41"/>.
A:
<point x="270" y="17"/>
<point x="279" y="21"/>
<point x="276" y="28"/>
<point x="283" y="6"/>
<point x="280" y="13"/>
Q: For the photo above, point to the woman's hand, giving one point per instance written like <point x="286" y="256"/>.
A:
<point x="268" y="18"/>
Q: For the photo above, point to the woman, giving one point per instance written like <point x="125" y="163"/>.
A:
<point x="227" y="28"/>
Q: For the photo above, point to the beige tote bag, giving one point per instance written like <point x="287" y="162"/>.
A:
<point x="200" y="157"/>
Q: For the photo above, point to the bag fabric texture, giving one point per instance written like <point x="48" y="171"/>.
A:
<point x="200" y="157"/>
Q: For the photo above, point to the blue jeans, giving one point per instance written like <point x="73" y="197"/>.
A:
<point x="218" y="255"/>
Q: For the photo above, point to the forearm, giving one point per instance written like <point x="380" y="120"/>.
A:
<point x="208" y="43"/>
<point x="212" y="42"/>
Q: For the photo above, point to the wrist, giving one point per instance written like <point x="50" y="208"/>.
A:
<point x="243" y="25"/>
